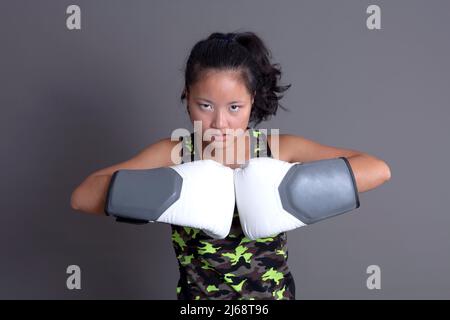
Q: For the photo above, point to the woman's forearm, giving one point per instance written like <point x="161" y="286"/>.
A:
<point x="369" y="172"/>
<point x="90" y="196"/>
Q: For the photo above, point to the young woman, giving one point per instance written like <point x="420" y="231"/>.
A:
<point x="230" y="83"/>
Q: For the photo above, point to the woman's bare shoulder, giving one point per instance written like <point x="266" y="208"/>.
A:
<point x="162" y="153"/>
<point x="277" y="145"/>
<point x="166" y="150"/>
<point x="294" y="148"/>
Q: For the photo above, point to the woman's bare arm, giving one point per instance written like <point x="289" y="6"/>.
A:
<point x="370" y="172"/>
<point x="90" y="195"/>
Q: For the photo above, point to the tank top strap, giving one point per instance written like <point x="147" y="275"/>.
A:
<point x="189" y="149"/>
<point x="259" y="145"/>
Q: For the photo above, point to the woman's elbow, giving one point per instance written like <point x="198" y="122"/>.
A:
<point x="386" y="171"/>
<point x="74" y="201"/>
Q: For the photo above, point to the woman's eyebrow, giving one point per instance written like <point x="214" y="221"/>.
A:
<point x="237" y="101"/>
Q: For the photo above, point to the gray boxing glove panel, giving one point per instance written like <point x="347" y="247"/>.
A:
<point x="140" y="196"/>
<point x="318" y="190"/>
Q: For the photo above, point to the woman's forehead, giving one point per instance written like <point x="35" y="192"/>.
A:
<point x="220" y="85"/>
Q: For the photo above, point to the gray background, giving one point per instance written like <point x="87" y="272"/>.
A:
<point x="73" y="102"/>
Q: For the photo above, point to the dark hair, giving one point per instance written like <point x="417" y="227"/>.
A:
<point x="246" y="52"/>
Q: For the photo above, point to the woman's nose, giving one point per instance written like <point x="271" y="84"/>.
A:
<point x="220" y="120"/>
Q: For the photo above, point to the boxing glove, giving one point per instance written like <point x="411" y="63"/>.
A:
<point x="274" y="196"/>
<point x="198" y="194"/>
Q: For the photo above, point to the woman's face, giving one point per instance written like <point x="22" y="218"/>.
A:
<point x="220" y="101"/>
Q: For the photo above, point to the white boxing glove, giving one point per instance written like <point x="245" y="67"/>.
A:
<point x="275" y="196"/>
<point x="198" y="194"/>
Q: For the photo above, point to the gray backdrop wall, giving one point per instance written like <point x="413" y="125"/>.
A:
<point x="75" y="101"/>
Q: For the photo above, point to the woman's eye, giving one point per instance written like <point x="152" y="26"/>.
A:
<point x="204" y="104"/>
<point x="236" y="108"/>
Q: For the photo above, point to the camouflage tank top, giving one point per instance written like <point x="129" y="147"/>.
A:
<point x="234" y="268"/>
